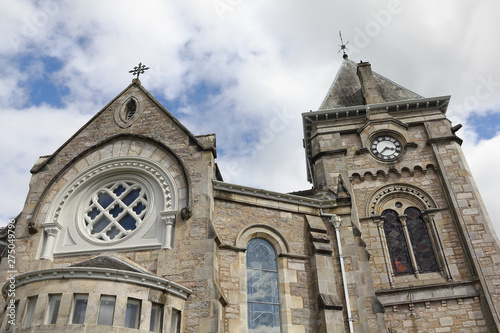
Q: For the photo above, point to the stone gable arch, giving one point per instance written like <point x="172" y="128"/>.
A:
<point x="130" y="163"/>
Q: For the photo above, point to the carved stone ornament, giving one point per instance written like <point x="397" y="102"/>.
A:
<point x="129" y="112"/>
<point x="186" y="213"/>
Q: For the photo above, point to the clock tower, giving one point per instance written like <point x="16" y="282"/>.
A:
<point x="422" y="236"/>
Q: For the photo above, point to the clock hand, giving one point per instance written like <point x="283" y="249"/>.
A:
<point x="389" y="148"/>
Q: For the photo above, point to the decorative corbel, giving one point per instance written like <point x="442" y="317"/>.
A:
<point x="186" y="213"/>
<point x="31" y="228"/>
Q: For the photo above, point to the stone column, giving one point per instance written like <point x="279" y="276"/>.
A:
<point x="50" y="231"/>
<point x="168" y="217"/>
<point x="387" y="257"/>
<point x="402" y="218"/>
<point x="430" y="225"/>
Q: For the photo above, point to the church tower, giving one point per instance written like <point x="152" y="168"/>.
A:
<point x="431" y="250"/>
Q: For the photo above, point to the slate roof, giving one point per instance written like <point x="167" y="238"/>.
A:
<point x="345" y="90"/>
<point x="109" y="262"/>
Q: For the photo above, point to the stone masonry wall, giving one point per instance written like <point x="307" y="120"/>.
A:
<point x="299" y="309"/>
<point x="458" y="316"/>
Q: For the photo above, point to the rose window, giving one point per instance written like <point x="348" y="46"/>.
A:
<point x="115" y="210"/>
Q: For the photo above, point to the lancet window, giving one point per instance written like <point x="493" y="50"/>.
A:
<point x="262" y="287"/>
<point x="408" y="241"/>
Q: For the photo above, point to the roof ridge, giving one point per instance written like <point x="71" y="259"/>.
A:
<point x="105" y="261"/>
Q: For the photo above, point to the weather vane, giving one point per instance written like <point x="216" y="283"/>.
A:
<point x="138" y="70"/>
<point x="343" y="46"/>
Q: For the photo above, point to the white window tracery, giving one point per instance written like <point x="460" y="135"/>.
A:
<point x="115" y="210"/>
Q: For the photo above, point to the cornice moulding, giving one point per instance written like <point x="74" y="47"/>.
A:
<point x="276" y="196"/>
<point x="95" y="273"/>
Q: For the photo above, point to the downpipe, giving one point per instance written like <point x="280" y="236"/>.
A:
<point x="336" y="221"/>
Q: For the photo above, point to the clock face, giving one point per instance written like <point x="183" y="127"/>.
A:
<point x="386" y="147"/>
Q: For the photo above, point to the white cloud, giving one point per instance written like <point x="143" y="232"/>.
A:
<point x="260" y="57"/>
<point x="26" y="135"/>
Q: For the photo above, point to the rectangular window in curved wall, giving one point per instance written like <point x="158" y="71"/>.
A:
<point x="79" y="308"/>
<point x="133" y="313"/>
<point x="175" y="321"/>
<point x="106" y="310"/>
<point x="54" y="303"/>
<point x="156" y="322"/>
<point x="30" y="310"/>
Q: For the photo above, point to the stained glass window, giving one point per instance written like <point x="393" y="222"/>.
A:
<point x="420" y="247"/>
<point x="262" y="288"/>
<point x="421" y="243"/>
<point x="396" y="242"/>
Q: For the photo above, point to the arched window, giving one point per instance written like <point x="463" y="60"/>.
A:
<point x="114" y="205"/>
<point x="396" y="242"/>
<point x="131" y="108"/>
<point x="262" y="287"/>
<point x="420" y="241"/>
<point x="418" y="256"/>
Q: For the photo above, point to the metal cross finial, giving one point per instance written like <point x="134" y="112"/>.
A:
<point x="343" y="46"/>
<point x="138" y="70"/>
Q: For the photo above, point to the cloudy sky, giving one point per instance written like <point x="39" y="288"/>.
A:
<point x="243" y="69"/>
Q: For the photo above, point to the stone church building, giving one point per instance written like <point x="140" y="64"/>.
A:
<point x="130" y="227"/>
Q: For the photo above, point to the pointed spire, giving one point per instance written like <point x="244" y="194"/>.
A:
<point x="347" y="89"/>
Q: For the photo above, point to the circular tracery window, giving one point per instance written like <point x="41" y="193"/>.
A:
<point x="115" y="210"/>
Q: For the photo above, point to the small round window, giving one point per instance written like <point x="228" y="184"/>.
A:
<point x="115" y="210"/>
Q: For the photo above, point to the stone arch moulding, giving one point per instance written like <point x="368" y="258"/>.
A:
<point x="410" y="193"/>
<point x="265" y="232"/>
<point x="146" y="144"/>
<point x="66" y="229"/>
<point x="397" y="198"/>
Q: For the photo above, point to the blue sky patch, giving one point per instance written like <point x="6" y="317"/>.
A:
<point x="197" y="96"/>
<point x="485" y="125"/>
<point x="40" y="85"/>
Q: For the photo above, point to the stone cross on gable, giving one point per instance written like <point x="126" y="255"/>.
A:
<point x="138" y="70"/>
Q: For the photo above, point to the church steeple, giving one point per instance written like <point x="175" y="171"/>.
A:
<point x="356" y="84"/>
